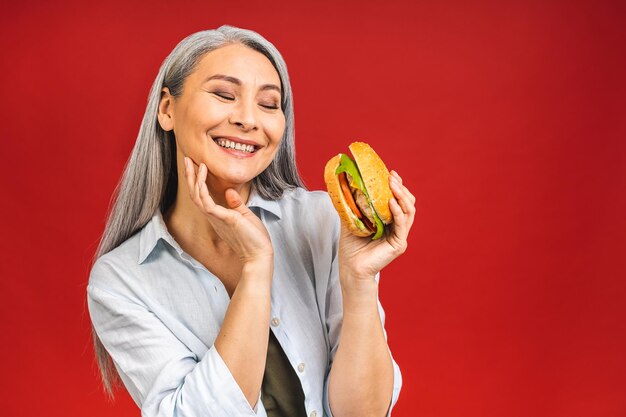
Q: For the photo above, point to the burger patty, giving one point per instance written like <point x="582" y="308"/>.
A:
<point x="361" y="202"/>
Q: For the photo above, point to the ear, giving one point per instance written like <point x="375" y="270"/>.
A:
<point x="166" y="107"/>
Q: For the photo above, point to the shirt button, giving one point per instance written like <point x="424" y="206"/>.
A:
<point x="313" y="413"/>
<point x="275" y="321"/>
<point x="301" y="369"/>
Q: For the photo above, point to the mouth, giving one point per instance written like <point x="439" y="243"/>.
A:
<point x="236" y="144"/>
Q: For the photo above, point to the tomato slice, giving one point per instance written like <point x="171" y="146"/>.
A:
<point x="343" y="181"/>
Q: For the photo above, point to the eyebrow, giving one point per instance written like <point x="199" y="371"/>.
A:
<point x="237" y="81"/>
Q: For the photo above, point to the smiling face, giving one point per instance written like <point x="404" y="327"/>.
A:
<point x="228" y="115"/>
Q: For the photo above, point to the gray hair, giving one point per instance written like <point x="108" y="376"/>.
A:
<point x="150" y="178"/>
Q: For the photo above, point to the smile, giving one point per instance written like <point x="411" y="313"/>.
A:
<point x="229" y="144"/>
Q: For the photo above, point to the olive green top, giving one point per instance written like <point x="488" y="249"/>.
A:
<point x="281" y="392"/>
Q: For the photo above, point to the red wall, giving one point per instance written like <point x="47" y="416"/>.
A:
<point x="506" y="120"/>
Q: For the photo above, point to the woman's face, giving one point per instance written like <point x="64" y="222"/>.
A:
<point x="228" y="116"/>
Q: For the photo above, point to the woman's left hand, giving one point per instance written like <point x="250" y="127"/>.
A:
<point x="361" y="258"/>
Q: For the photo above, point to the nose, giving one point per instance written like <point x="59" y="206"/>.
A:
<point x="243" y="115"/>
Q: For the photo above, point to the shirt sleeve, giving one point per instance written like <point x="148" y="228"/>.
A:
<point x="334" y="317"/>
<point x="163" y="376"/>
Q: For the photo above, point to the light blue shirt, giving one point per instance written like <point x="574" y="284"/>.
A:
<point x="158" y="311"/>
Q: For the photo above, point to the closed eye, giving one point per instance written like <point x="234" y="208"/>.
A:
<point x="225" y="96"/>
<point x="272" y="107"/>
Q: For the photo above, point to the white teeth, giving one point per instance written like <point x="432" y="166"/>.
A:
<point x="225" y="143"/>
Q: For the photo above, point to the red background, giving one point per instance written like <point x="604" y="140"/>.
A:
<point x="506" y="120"/>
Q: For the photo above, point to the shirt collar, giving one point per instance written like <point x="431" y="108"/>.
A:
<point x="255" y="200"/>
<point x="156" y="229"/>
<point x="150" y="235"/>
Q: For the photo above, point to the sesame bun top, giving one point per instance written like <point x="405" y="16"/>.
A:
<point x="375" y="177"/>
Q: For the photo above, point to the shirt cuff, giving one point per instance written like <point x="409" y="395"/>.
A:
<point x="214" y="392"/>
<point x="220" y="376"/>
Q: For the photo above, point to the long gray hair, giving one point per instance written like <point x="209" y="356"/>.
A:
<point x="150" y="177"/>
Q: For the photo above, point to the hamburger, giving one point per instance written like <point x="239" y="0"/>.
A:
<point x="359" y="190"/>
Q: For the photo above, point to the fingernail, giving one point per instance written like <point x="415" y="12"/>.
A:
<point x="393" y="180"/>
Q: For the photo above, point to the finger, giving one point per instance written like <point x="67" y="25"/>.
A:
<point x="200" y="193"/>
<point x="408" y="210"/>
<point x="193" y="180"/>
<point x="405" y="198"/>
<point x="200" y="179"/>
<point x="411" y="196"/>
<point x="206" y="202"/>
<point x="400" y="229"/>
<point x="234" y="201"/>
<point x="189" y="175"/>
<point x="396" y="176"/>
<point x="401" y="195"/>
<point x="202" y="190"/>
<point x="209" y="205"/>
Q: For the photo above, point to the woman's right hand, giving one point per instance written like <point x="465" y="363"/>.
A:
<point x="237" y="225"/>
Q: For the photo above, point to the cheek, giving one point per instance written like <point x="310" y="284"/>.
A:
<point x="193" y="122"/>
<point x="276" y="128"/>
<point x="206" y="114"/>
<point x="201" y="110"/>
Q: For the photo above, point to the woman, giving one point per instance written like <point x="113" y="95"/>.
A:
<point x="212" y="241"/>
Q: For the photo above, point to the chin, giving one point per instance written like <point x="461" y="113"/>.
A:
<point x="236" y="180"/>
<point x="241" y="176"/>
